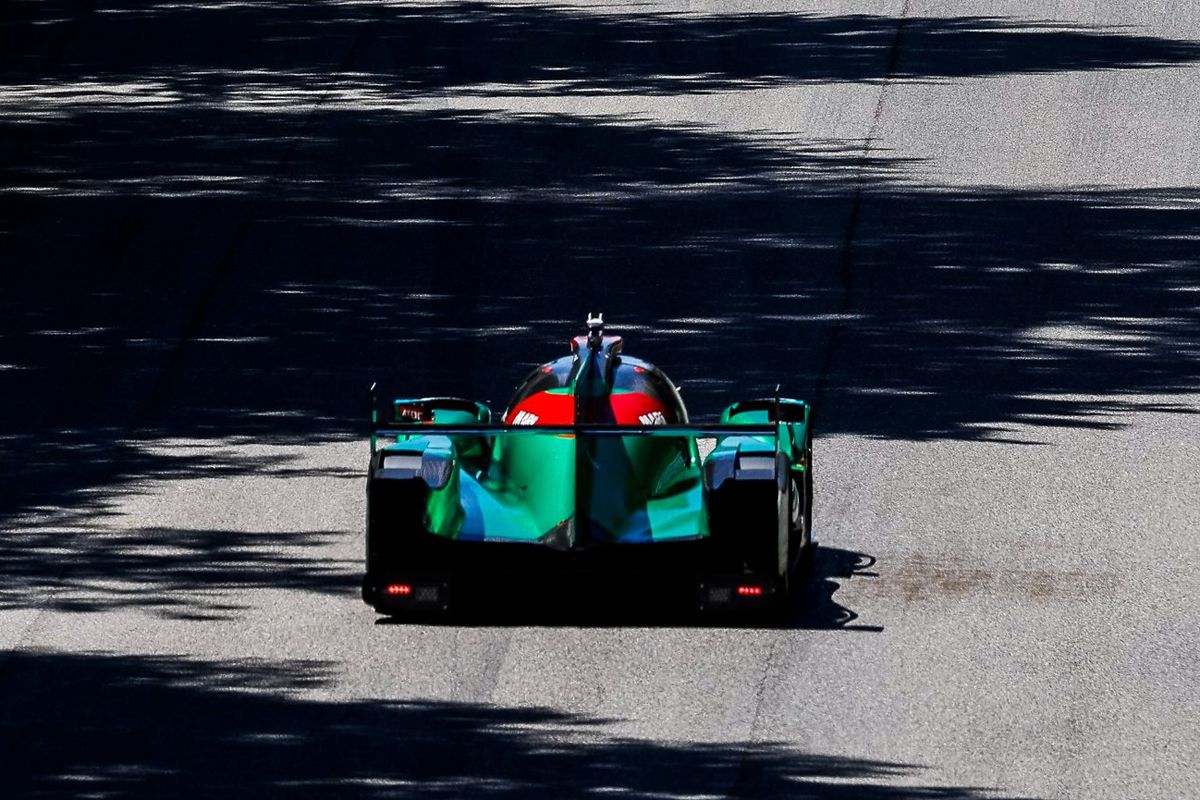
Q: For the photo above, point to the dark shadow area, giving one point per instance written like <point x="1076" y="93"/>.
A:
<point x="173" y="573"/>
<point x="813" y="605"/>
<point x="246" y="275"/>
<point x="202" y="241"/>
<point x="656" y="601"/>
<point x="76" y="726"/>
<point x="490" y="49"/>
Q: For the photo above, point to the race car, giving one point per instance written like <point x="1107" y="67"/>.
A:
<point x="594" y="470"/>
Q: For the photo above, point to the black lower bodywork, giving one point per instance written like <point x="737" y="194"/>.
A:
<point x="745" y="564"/>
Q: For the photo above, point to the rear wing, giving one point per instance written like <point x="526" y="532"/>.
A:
<point x="417" y="418"/>
<point x="501" y="429"/>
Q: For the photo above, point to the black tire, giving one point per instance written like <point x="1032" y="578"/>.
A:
<point x="800" y="500"/>
<point x="800" y="541"/>
<point x="807" y="523"/>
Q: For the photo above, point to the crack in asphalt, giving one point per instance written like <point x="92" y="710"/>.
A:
<point x="743" y="781"/>
<point x="846" y="258"/>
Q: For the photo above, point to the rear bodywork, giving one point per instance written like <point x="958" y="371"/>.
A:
<point x="456" y="498"/>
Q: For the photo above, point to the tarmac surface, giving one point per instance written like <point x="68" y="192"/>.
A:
<point x="969" y="232"/>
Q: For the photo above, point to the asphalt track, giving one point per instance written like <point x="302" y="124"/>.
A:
<point x="968" y="231"/>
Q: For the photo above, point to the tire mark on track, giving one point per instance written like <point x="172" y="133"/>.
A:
<point x="747" y="769"/>
<point x="846" y="259"/>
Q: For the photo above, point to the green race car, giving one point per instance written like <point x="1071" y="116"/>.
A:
<point x="594" y="471"/>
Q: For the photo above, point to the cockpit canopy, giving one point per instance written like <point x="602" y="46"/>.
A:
<point x="640" y="394"/>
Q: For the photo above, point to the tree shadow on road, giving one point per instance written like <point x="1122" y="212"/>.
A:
<point x="75" y="725"/>
<point x="446" y="252"/>
<point x="172" y="573"/>
<point x="213" y="242"/>
<point x="490" y="49"/>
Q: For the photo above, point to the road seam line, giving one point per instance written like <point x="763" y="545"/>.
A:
<point x="846" y="259"/>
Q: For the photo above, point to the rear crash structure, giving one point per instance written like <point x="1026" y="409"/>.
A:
<point x="594" y="471"/>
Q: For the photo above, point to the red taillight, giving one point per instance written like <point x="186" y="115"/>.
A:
<point x="398" y="588"/>
<point x="749" y="591"/>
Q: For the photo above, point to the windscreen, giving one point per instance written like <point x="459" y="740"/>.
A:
<point x="637" y="376"/>
<point x="555" y="375"/>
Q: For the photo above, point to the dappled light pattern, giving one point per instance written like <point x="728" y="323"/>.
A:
<point x="525" y="48"/>
<point x="174" y="573"/>
<point x="460" y="245"/>
<point x="227" y="220"/>
<point x="88" y="725"/>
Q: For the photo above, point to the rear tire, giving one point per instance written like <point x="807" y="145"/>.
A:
<point x="800" y="534"/>
<point x="808" y="485"/>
